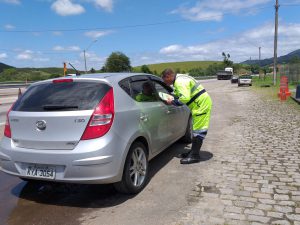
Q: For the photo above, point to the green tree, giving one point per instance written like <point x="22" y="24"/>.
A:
<point x="92" y="70"/>
<point x="254" y="69"/>
<point x="117" y="62"/>
<point x="295" y="59"/>
<point x="226" y="60"/>
<point x="145" y="69"/>
<point x="103" y="69"/>
<point x="9" y="74"/>
<point x="195" y="72"/>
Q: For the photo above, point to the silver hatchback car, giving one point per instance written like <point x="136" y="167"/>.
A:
<point x="99" y="128"/>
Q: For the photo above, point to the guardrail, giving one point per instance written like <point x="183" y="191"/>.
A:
<point x="13" y="85"/>
<point x="205" y="77"/>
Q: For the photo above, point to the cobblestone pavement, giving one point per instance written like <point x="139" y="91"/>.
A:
<point x="254" y="176"/>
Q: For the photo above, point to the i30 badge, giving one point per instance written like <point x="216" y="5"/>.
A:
<point x="41" y="125"/>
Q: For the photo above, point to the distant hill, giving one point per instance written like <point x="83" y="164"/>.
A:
<point x="4" y="66"/>
<point x="31" y="74"/>
<point x="282" y="59"/>
<point x="183" y="66"/>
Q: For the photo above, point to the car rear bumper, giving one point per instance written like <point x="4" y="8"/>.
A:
<point x="245" y="82"/>
<point x="92" y="161"/>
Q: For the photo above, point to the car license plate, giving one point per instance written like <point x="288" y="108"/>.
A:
<point x="41" y="171"/>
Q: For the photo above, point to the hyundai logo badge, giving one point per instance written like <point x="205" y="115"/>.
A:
<point x="41" y="125"/>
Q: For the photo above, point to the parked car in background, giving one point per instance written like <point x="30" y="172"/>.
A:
<point x="234" y="79"/>
<point x="97" y="128"/>
<point x="245" y="80"/>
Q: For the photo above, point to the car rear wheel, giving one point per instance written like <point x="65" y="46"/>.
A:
<point x="188" y="136"/>
<point x="136" y="170"/>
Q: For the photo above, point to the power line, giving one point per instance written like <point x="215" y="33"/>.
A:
<point x="125" y="26"/>
<point x="46" y="52"/>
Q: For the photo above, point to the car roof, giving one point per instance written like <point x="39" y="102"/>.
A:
<point x="107" y="77"/>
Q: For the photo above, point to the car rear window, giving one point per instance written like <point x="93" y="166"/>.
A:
<point x="245" y="77"/>
<point x="68" y="96"/>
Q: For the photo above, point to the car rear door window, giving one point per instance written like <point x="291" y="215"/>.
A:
<point x="142" y="90"/>
<point x="66" y="96"/>
<point x="124" y="84"/>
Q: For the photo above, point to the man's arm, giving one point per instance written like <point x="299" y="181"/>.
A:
<point x="182" y="91"/>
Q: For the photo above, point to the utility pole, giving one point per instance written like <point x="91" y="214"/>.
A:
<point x="259" y="55"/>
<point x="84" y="51"/>
<point x="84" y="61"/>
<point x="275" y="43"/>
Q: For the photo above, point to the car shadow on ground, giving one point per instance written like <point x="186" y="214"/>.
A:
<point x="91" y="196"/>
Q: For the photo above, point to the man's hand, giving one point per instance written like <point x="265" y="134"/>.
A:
<point x="169" y="101"/>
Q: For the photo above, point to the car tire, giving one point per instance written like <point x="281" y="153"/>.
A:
<point x="188" y="136"/>
<point x="136" y="170"/>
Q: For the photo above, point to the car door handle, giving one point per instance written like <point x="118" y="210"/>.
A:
<point x="144" y="118"/>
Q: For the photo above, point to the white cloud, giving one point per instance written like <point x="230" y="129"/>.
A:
<point x="28" y="55"/>
<point x="97" y="34"/>
<point x="69" y="48"/>
<point x="9" y="27"/>
<point x="57" y="33"/>
<point x="41" y="59"/>
<point x="67" y="8"/>
<point x="241" y="47"/>
<point x="3" y="55"/>
<point x="214" y="10"/>
<point x="15" y="2"/>
<point x="25" y="55"/>
<point x="92" y="57"/>
<point x="105" y="4"/>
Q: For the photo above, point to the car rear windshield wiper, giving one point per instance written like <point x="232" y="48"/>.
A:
<point x="57" y="107"/>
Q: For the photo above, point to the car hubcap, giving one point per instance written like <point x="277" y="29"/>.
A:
<point x="138" y="167"/>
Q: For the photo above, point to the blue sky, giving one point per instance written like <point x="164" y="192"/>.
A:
<point x="42" y="33"/>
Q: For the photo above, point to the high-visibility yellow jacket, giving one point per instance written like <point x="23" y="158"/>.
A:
<point x="185" y="88"/>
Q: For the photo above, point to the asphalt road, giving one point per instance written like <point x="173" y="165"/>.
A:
<point x="167" y="193"/>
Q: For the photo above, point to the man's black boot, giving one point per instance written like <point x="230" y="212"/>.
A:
<point x="194" y="154"/>
<point x="184" y="155"/>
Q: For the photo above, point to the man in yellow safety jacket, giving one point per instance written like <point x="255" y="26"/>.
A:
<point x="188" y="91"/>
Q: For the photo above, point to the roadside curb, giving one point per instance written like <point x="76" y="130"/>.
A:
<point x="7" y="103"/>
<point x="296" y="99"/>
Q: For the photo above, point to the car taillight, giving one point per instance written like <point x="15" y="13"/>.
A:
<point x="102" y="118"/>
<point x="7" y="131"/>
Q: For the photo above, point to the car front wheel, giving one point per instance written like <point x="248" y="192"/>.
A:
<point x="136" y="170"/>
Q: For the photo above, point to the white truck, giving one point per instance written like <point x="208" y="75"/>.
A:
<point x="229" y="69"/>
<point x="225" y="74"/>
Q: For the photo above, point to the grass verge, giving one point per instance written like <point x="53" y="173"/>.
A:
<point x="266" y="88"/>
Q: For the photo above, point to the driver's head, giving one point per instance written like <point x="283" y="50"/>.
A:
<point x="168" y="76"/>
<point x="147" y="89"/>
